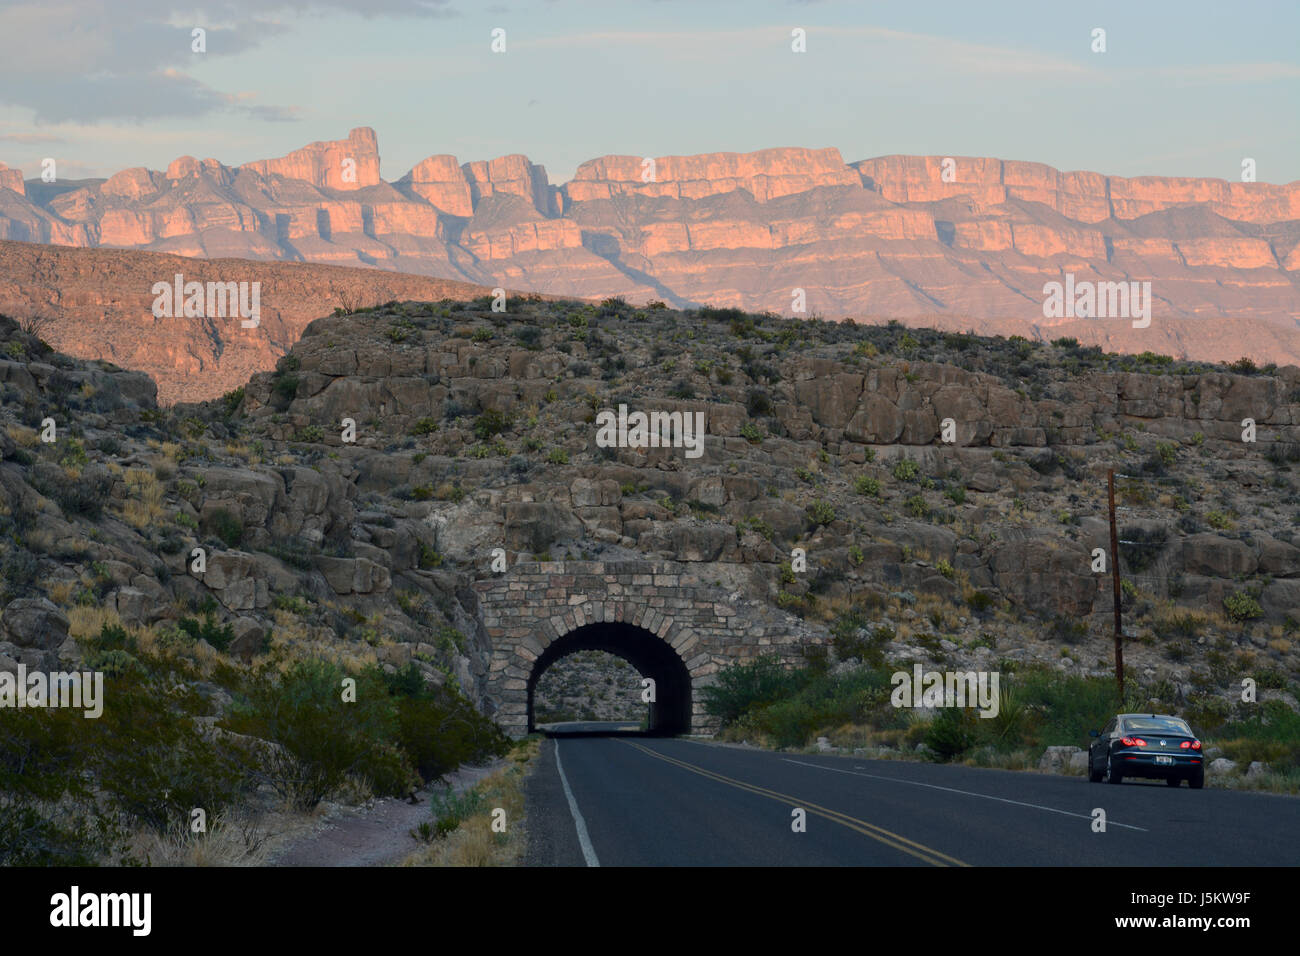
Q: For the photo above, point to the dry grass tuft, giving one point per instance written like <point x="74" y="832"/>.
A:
<point x="87" y="620"/>
<point x="229" y="841"/>
<point x="474" y="843"/>
<point x="144" y="506"/>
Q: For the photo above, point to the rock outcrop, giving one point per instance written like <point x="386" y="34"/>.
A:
<point x="952" y="242"/>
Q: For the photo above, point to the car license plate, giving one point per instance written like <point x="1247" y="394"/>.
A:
<point x="1163" y="760"/>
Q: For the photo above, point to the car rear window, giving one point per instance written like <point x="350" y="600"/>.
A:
<point x="1157" y="724"/>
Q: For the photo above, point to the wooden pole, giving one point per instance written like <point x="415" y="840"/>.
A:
<point x="1114" y="566"/>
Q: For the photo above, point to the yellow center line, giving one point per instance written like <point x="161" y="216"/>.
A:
<point x="880" y="834"/>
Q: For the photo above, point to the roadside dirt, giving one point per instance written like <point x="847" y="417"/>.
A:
<point x="375" y="835"/>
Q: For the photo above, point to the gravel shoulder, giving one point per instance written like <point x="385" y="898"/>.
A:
<point x="377" y="834"/>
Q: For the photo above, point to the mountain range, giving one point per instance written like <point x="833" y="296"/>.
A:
<point x="954" y="242"/>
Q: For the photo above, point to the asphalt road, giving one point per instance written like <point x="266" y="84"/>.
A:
<point x="630" y="800"/>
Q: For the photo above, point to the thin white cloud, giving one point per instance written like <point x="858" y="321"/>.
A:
<point x="1230" y="74"/>
<point x="92" y="61"/>
<point x="935" y="52"/>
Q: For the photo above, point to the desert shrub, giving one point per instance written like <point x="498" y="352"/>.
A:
<point x="83" y="495"/>
<point x="821" y="513"/>
<point x="321" y="738"/>
<point x="906" y="470"/>
<point x="284" y="388"/>
<point x="18" y="570"/>
<point x="154" y="762"/>
<point x="741" y="687"/>
<point x="950" y="734"/>
<point x="866" y="485"/>
<point x="226" y="526"/>
<point x="758" y="403"/>
<point x="1241" y="606"/>
<point x="1271" y="733"/>
<point x="208" y="629"/>
<point x="491" y="422"/>
<point x="231" y="401"/>
<point x="46" y="813"/>
<point x="822" y="700"/>
<point x="854" y="638"/>
<point x="440" y="730"/>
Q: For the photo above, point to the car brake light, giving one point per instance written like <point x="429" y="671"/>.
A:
<point x="1133" y="742"/>
<point x="1190" y="745"/>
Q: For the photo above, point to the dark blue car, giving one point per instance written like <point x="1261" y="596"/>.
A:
<point x="1146" y="745"/>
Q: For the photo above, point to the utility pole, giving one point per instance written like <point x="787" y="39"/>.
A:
<point x="1114" y="567"/>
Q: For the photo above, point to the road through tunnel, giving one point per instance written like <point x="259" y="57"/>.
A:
<point x="670" y="708"/>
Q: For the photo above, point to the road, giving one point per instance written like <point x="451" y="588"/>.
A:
<point x="631" y="800"/>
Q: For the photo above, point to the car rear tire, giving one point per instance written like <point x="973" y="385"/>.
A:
<point x="1113" y="775"/>
<point x="1173" y="781"/>
<point x="1197" y="780"/>
<point x="1094" y="776"/>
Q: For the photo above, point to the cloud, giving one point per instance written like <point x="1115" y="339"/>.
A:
<point x="1228" y="74"/>
<point x="936" y="52"/>
<point x="78" y="61"/>
<point x="30" y="138"/>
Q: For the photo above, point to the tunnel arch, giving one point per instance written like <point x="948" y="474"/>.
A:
<point x="524" y="610"/>
<point x="651" y="655"/>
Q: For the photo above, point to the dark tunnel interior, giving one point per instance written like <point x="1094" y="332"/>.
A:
<point x="670" y="711"/>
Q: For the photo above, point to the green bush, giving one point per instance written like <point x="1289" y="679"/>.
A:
<point x="227" y="527"/>
<point x="491" y="422"/>
<point x="866" y="485"/>
<point x="84" y="495"/>
<point x="47" y="815"/>
<point x="906" y="470"/>
<point x="950" y="734"/>
<point x="1242" y="607"/>
<point x="821" y="513"/>
<point x="439" y="730"/>
<point x="321" y="738"/>
<point x="741" y="687"/>
<point x="217" y="635"/>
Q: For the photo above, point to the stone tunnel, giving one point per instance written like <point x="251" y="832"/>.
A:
<point x="665" y="618"/>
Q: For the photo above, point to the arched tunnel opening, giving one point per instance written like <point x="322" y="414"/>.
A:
<point x="670" y="710"/>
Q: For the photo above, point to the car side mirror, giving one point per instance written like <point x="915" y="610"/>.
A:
<point x="1094" y="733"/>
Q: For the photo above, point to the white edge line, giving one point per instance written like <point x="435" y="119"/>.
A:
<point x="933" y="786"/>
<point x="584" y="838"/>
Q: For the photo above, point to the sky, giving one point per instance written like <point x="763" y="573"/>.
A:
<point x="1183" y="88"/>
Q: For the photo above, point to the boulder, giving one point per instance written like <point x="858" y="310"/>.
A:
<point x="535" y="525"/>
<point x="1216" y="556"/>
<point x="250" y="637"/>
<point x="354" y="575"/>
<point x="1038" y="575"/>
<point x="233" y="576"/>
<point x="1057" y="759"/>
<point x="35" y="623"/>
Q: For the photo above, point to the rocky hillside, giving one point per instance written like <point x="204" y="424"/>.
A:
<point x="589" y="685"/>
<point x="477" y="430"/>
<point x="965" y="242"/>
<point x="98" y="304"/>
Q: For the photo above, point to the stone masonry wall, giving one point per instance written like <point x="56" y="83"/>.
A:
<point x="524" y="610"/>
